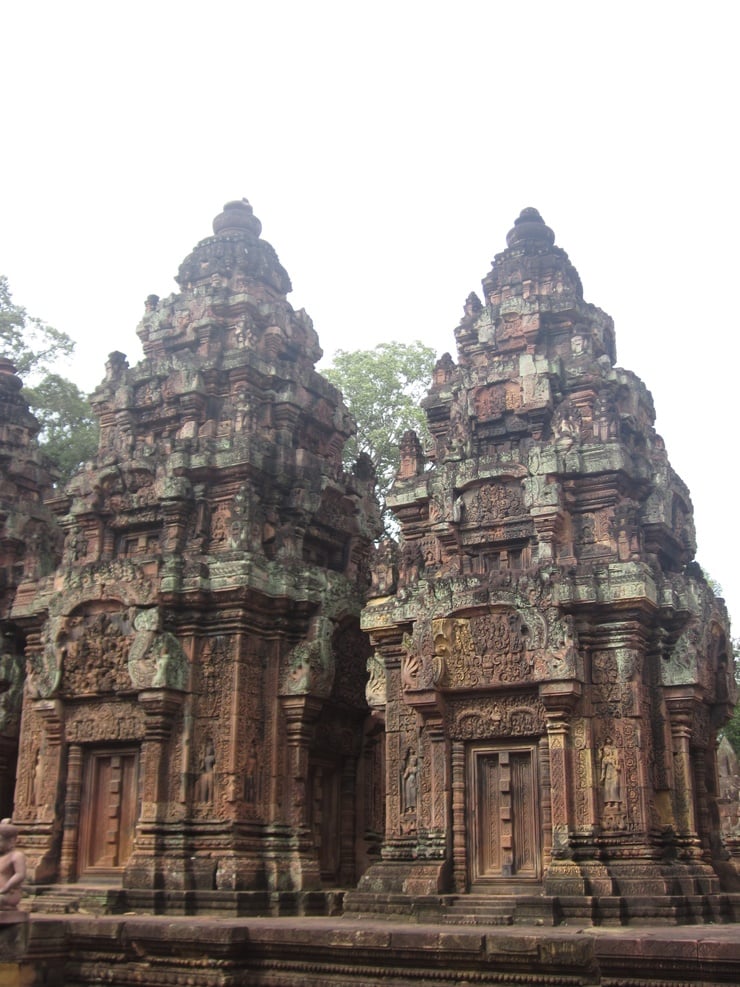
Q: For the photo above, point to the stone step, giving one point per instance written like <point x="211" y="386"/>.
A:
<point x="478" y="918"/>
<point x="68" y="899"/>
<point x="478" y="910"/>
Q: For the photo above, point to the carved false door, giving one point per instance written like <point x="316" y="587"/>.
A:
<point x="108" y="812"/>
<point x="503" y="807"/>
<point x="325" y="818"/>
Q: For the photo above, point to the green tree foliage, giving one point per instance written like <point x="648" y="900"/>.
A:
<point x="69" y="430"/>
<point x="732" y="729"/>
<point x="383" y="388"/>
<point x="30" y="344"/>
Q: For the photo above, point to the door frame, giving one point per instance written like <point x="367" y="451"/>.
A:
<point x="477" y="751"/>
<point x="92" y="757"/>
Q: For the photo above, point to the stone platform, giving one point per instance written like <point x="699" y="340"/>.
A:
<point x="282" y="952"/>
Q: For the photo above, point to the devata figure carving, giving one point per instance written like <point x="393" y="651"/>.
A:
<point x="410" y="781"/>
<point x="610" y="776"/>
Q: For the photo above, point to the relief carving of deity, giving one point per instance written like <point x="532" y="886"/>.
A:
<point x="610" y="774"/>
<point x="95" y="652"/>
<point x="410" y="781"/>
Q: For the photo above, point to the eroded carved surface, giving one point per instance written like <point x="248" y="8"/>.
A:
<point x="539" y="698"/>
<point x="195" y="656"/>
<point x="547" y="607"/>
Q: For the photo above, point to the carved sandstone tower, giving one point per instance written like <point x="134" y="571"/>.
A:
<point x="195" y="701"/>
<point x="29" y="548"/>
<point x="556" y="667"/>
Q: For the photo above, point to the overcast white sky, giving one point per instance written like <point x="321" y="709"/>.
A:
<point x="387" y="148"/>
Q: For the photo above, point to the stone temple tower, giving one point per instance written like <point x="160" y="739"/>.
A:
<point x="195" y="703"/>
<point x="554" y="667"/>
<point x="29" y="547"/>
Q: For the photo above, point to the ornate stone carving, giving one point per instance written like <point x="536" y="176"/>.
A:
<point x="156" y="659"/>
<point x="410" y="782"/>
<point x="548" y="670"/>
<point x="11" y="688"/>
<point x="106" y="723"/>
<point x="310" y="665"/>
<point x="557" y="649"/>
<point x="375" y="690"/>
<point x="497" y="647"/>
<point x="44" y="662"/>
<point x="94" y="649"/>
<point x="213" y="572"/>
<point x="610" y="780"/>
<point x="508" y="716"/>
<point x="204" y="786"/>
<point x="491" y="503"/>
<point x="212" y="668"/>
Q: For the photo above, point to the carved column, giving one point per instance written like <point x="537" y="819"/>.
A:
<point x="160" y="706"/>
<point x="559" y="699"/>
<point x="560" y="788"/>
<point x="39" y="844"/>
<point x="372" y="774"/>
<point x="680" y="709"/>
<point x="148" y="865"/>
<point x="703" y="818"/>
<point x="390" y="646"/>
<point x="433" y="803"/>
<point x="106" y="539"/>
<point x="235" y="781"/>
<point x="301" y="713"/>
<point x="71" y="834"/>
<point x="459" y="832"/>
<point x="685" y="814"/>
<point x="52" y="717"/>
<point x="543" y="756"/>
<point x="438" y="820"/>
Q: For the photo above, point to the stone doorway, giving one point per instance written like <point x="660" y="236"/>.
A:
<point x="325" y="818"/>
<point x="504" y="842"/>
<point x="108" y="812"/>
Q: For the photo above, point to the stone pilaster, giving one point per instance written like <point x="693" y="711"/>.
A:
<point x="301" y="713"/>
<point x="70" y="837"/>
